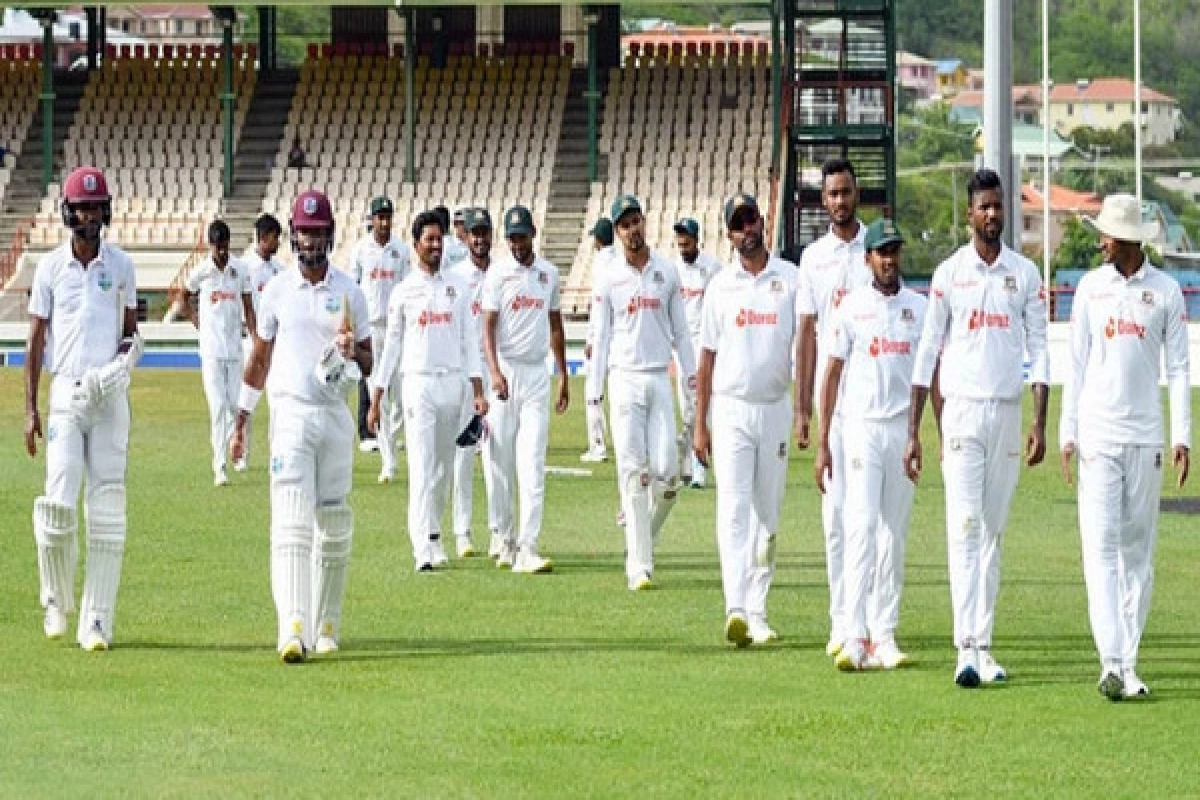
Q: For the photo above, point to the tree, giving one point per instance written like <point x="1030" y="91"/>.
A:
<point x="1079" y="248"/>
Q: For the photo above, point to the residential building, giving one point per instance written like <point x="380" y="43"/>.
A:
<point x="917" y="75"/>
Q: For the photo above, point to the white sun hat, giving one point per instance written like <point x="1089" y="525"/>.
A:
<point x="1121" y="218"/>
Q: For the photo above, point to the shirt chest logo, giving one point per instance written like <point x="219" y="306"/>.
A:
<point x="1122" y="327"/>
<point x="104" y="280"/>
<point x="982" y="318"/>
<point x="524" y="302"/>
<point x="640" y="302"/>
<point x="883" y="346"/>
<point x="219" y="295"/>
<point x="428" y="319"/>
<point x="839" y="293"/>
<point x="1010" y="284"/>
<point x="748" y="317"/>
<point x="333" y="303"/>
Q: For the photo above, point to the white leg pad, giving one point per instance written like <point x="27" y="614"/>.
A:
<point x="292" y="526"/>
<point x="639" y="541"/>
<point x="55" y="528"/>
<point x="331" y="554"/>
<point x="105" y="506"/>
<point x="662" y="500"/>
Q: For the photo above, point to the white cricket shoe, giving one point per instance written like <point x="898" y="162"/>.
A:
<point x="240" y="465"/>
<point x="55" y="622"/>
<point x="853" y="656"/>
<point x="437" y="554"/>
<point x="94" y="641"/>
<point x="835" y="644"/>
<point x="325" y="645"/>
<point x="386" y="476"/>
<point x="508" y="554"/>
<point x="464" y="546"/>
<point x="989" y="670"/>
<point x="220" y="478"/>
<point x="1111" y="684"/>
<point x="760" y="631"/>
<point x="368" y="446"/>
<point x="594" y="457"/>
<point x="1133" y="685"/>
<point x="293" y="651"/>
<point x="495" y="546"/>
<point x="966" y="674"/>
<point x="737" y="630"/>
<point x="641" y="582"/>
<point x="886" y="655"/>
<point x="528" y="562"/>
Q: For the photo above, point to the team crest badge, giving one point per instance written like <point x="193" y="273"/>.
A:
<point x="1010" y="284"/>
<point x="333" y="304"/>
<point x="52" y="434"/>
<point x="906" y="315"/>
<point x="776" y="287"/>
<point x="451" y="293"/>
<point x="89" y="183"/>
<point x="310" y="205"/>
<point x="1158" y="460"/>
<point x="856" y="463"/>
<point x="276" y="465"/>
<point x="657" y="277"/>
<point x="104" y="281"/>
<point x="1148" y="298"/>
<point x="783" y="449"/>
<point x="543" y="277"/>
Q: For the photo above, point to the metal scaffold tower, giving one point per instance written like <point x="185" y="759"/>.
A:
<point x="838" y="100"/>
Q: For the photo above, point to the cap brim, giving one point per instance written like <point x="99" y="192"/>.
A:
<point x="1144" y="232"/>
<point x="518" y="230"/>
<point x="887" y="241"/>
<point x="683" y="230"/>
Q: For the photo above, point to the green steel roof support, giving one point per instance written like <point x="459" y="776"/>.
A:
<point x="47" y="97"/>
<point x="227" y="99"/>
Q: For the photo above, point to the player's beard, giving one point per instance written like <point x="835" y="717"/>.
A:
<point x="88" y="232"/>
<point x="312" y="258"/>
<point x="751" y="245"/>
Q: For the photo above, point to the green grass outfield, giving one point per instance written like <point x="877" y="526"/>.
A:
<point x="479" y="683"/>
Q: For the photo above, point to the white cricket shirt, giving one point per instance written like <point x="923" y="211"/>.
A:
<point x="219" y="306"/>
<point x="749" y="322"/>
<point x="984" y="320"/>
<point x="693" y="280"/>
<point x="453" y="250"/>
<point x="430" y="329"/>
<point x="876" y="335"/>
<point x="638" y="317"/>
<point x="85" y="308"/>
<point x="522" y="297"/>
<point x="260" y="272"/>
<point x="302" y="318"/>
<point x="1122" y="329"/>
<point x="830" y="268"/>
<point x="472" y="276"/>
<point x="378" y="268"/>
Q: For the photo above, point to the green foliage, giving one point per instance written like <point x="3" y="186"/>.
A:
<point x="925" y="211"/>
<point x="931" y="137"/>
<point x="1080" y="247"/>
<point x="297" y="26"/>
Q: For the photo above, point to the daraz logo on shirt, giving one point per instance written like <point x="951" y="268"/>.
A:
<point x="218" y="296"/>
<point x="980" y="318"/>
<point x="838" y="294"/>
<point x="524" y="302"/>
<point x="642" y="303"/>
<point x="688" y="294"/>
<point x="748" y="316"/>
<point x="428" y="318"/>
<point x="883" y="346"/>
<point x="383" y="274"/>
<point x="1121" y="327"/>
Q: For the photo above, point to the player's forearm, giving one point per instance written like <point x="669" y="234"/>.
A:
<point x="916" y="410"/>
<point x="704" y="373"/>
<point x="1041" y="396"/>
<point x="34" y="351"/>
<point x="806" y="360"/>
<point x="365" y="356"/>
<point x="829" y="395"/>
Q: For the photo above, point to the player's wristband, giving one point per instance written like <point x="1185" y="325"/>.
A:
<point x="248" y="398"/>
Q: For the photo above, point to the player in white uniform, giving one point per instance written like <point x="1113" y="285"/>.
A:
<point x="379" y="263"/>
<point x="987" y="311"/>
<point x="453" y="248"/>
<point x="829" y="268"/>
<point x="261" y="266"/>
<point x="522" y="322"/>
<point x="471" y="271"/>
<point x="876" y="330"/>
<point x="696" y="269"/>
<point x="313" y="345"/>
<point x="638" y="317"/>
<point x="83" y="321"/>
<point x="597" y="429"/>
<point x="219" y="302"/>
<point x="433" y="340"/>
<point x="749" y="323"/>
<point x="1127" y="318"/>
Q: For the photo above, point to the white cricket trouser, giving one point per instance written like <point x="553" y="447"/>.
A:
<point x="247" y="351"/>
<point x="464" y="478"/>
<point x="515" y="452"/>
<point x="312" y="449"/>
<point x="687" y="410"/>
<point x="597" y="430"/>
<point x="391" y="411"/>
<point x="222" y="379"/>
<point x="878" y="502"/>
<point x="435" y="416"/>
<point x="834" y="528"/>
<point x="981" y="461"/>
<point x="750" y="444"/>
<point x="643" y="432"/>
<point x="1119" y="488"/>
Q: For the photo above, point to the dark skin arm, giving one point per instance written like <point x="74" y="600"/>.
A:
<point x="806" y="367"/>
<point x="558" y="345"/>
<point x="912" y="454"/>
<point x="1035" y="442"/>
<point x="823" y="466"/>
<point x="255" y="376"/>
<point x="701" y="438"/>
<point x="35" y="348"/>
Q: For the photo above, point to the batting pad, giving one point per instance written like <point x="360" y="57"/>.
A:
<point x="665" y="493"/>
<point x="105" y="506"/>
<point x="335" y="532"/>
<point x="55" y="528"/>
<point x="291" y="568"/>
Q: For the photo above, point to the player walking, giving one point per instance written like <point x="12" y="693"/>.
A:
<point x="696" y="269"/>
<point x="522" y="322"/>
<point x="597" y="430"/>
<point x="749" y="323"/>
<point x="219" y="301"/>
<point x="380" y="263"/>
<point x="638" y="317"/>
<point x="433" y="340"/>
<point x="83" y="303"/>
<point x="830" y="267"/>
<point x="987" y="310"/>
<point x="261" y="267"/>
<point x="1127" y="318"/>
<point x="313" y="343"/>
<point x="876" y="330"/>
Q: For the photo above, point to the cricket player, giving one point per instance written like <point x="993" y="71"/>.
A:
<point x="261" y="266"/>
<point x="471" y="271"/>
<point x="987" y="312"/>
<point x="1127" y="318"/>
<point x="219" y="301"/>
<point x="876" y="330"/>
<point x="379" y="264"/>
<point x="453" y="248"/>
<point x="744" y="414"/>
<point x="597" y="429"/>
<point x="83" y="322"/>
<point x="638" y="318"/>
<point x="313" y="345"/>
<point x="696" y="269"/>
<point x="522" y="322"/>
<point x="830" y="267"/>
